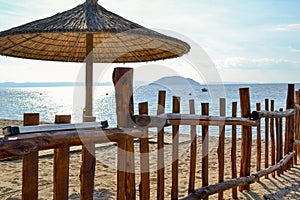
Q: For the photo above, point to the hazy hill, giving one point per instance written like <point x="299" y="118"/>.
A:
<point x="175" y="80"/>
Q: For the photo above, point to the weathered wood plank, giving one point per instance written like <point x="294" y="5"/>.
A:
<point x="27" y="143"/>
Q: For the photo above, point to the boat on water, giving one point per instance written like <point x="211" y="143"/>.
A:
<point x="204" y="90"/>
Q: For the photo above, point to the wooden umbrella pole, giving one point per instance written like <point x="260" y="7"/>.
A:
<point x="89" y="76"/>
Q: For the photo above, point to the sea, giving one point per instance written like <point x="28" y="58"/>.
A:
<point x="50" y="101"/>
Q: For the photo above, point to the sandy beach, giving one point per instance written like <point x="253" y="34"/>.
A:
<point x="284" y="187"/>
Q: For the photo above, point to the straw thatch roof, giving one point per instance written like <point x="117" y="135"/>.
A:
<point x="62" y="37"/>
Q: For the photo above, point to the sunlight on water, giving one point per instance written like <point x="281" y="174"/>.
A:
<point x="49" y="101"/>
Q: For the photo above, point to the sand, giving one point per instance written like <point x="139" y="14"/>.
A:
<point x="284" y="187"/>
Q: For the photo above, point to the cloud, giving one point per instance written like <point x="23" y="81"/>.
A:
<point x="285" y="28"/>
<point x="258" y="63"/>
<point x="292" y="49"/>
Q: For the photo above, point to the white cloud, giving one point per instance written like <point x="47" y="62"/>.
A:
<point x="294" y="50"/>
<point x="285" y="28"/>
<point x="258" y="63"/>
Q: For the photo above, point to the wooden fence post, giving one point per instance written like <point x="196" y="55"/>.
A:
<point x="175" y="151"/>
<point x="233" y="150"/>
<point x="205" y="143"/>
<point x="30" y="164"/>
<point x="246" y="137"/>
<point x="160" y="148"/>
<point x="221" y="147"/>
<point x="61" y="165"/>
<point x="297" y="126"/>
<point x="87" y="170"/>
<point x="144" y="157"/>
<point x="123" y="82"/>
<point x="193" y="155"/>
<point x="266" y="137"/>
<point x="280" y="142"/>
<point x="289" y="129"/>
<point x="272" y="138"/>
<point x="258" y="142"/>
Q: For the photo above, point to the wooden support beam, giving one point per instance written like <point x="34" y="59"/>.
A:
<point x="144" y="158"/>
<point x="30" y="164"/>
<point x="89" y="75"/>
<point x="61" y="165"/>
<point x="88" y="165"/>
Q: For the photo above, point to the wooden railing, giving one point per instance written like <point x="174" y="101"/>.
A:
<point x="132" y="127"/>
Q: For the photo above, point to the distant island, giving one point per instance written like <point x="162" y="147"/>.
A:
<point x="175" y="80"/>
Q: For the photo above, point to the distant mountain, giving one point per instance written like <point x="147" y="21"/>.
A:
<point x="175" y="80"/>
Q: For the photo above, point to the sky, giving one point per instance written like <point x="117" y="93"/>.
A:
<point x="247" y="41"/>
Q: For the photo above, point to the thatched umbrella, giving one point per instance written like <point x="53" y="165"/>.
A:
<point x="89" y="33"/>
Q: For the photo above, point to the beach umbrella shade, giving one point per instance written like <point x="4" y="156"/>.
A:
<point x="89" y="33"/>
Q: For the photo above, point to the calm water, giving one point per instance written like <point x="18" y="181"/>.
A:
<point x="49" y="101"/>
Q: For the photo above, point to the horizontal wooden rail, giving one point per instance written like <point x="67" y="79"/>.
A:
<point x="213" y="189"/>
<point x="191" y="119"/>
<point x="255" y="115"/>
<point x="20" y="145"/>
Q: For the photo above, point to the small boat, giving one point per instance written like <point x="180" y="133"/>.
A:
<point x="204" y="90"/>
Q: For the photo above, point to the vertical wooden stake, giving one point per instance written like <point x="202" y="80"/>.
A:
<point x="272" y="138"/>
<point x="193" y="154"/>
<point x="281" y="143"/>
<point x="297" y="126"/>
<point x="289" y="128"/>
<point x="175" y="149"/>
<point x="205" y="146"/>
<point x="258" y="142"/>
<point x="160" y="147"/>
<point x="233" y="150"/>
<point x="88" y="165"/>
<point x="61" y="165"/>
<point x="144" y="157"/>
<point x="266" y="137"/>
<point x="221" y="148"/>
<point x="123" y="82"/>
<point x="30" y="164"/>
<point x="246" y="137"/>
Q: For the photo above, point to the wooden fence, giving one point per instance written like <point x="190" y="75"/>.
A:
<point x="28" y="145"/>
